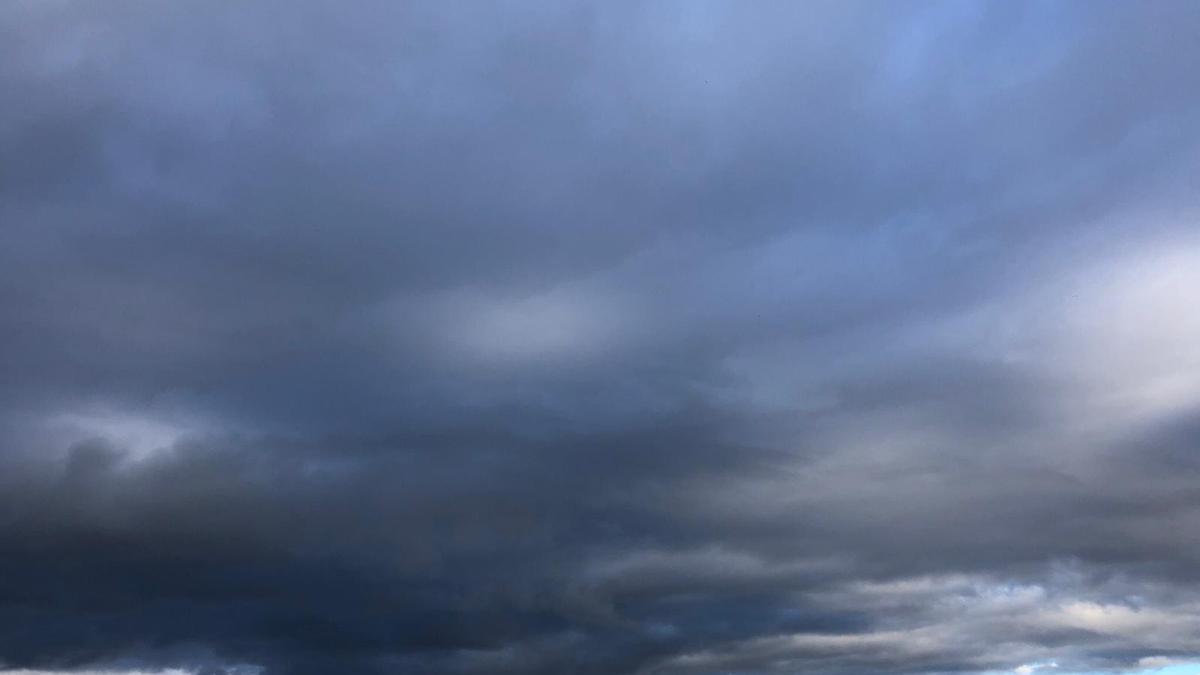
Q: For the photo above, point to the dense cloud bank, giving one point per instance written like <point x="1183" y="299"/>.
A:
<point x="670" y="338"/>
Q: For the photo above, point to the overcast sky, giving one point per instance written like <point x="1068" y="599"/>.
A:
<point x="663" y="338"/>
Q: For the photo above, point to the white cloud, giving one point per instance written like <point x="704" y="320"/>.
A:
<point x="140" y="434"/>
<point x="552" y="327"/>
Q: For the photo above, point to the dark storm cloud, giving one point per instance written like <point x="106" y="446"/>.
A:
<point x="674" y="338"/>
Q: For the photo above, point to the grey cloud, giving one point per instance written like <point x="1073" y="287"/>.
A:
<point x="598" y="338"/>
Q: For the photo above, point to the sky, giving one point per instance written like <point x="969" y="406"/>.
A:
<point x="662" y="338"/>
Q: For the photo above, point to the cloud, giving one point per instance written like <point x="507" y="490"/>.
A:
<point x="598" y="338"/>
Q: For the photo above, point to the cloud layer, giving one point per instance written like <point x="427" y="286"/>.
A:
<point x="676" y="338"/>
